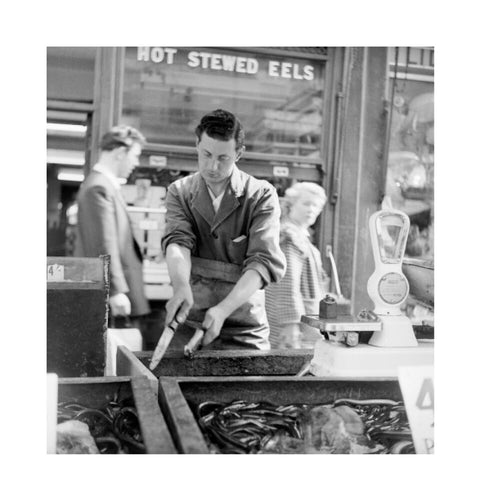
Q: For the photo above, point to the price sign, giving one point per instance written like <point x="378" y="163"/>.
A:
<point x="281" y="171"/>
<point x="148" y="225"/>
<point x="416" y="383"/>
<point x="157" y="161"/>
<point x="55" y="272"/>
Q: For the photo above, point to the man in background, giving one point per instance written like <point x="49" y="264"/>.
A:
<point x="104" y="225"/>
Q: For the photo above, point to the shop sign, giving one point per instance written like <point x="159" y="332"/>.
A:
<point x="420" y="57"/>
<point x="416" y="384"/>
<point x="196" y="59"/>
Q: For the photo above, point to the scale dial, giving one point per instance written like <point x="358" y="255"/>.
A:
<point x="393" y="288"/>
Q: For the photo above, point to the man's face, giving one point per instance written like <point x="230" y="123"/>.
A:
<point x="129" y="160"/>
<point x="216" y="159"/>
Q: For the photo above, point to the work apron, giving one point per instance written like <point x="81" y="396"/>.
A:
<point x="247" y="327"/>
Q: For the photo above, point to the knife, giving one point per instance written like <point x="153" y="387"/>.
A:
<point x="163" y="343"/>
<point x="194" y="343"/>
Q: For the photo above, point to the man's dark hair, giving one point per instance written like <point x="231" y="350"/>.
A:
<point x="222" y="125"/>
<point x="121" y="136"/>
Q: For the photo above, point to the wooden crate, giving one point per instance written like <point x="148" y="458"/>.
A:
<point x="77" y="309"/>
<point x="179" y="397"/>
<point x="97" y="392"/>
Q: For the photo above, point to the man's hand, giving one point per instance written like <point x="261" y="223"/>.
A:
<point x="182" y="301"/>
<point x="213" y="322"/>
<point x="120" y="305"/>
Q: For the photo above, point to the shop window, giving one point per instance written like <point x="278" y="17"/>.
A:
<point x="410" y="175"/>
<point x="278" y="99"/>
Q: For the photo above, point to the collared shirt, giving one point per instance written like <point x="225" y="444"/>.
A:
<point x="102" y="169"/>
<point x="216" y="200"/>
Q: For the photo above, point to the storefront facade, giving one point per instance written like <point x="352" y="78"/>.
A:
<point x="318" y="114"/>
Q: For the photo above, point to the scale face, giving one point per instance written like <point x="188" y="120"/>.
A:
<point x="387" y="286"/>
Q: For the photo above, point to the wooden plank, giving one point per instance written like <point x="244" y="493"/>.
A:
<point x="156" y="435"/>
<point x="229" y="363"/>
<point x="182" y="424"/>
<point x="286" y="390"/>
<point x="81" y="269"/>
<point x="129" y="365"/>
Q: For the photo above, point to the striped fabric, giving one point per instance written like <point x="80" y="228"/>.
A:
<point x="300" y="291"/>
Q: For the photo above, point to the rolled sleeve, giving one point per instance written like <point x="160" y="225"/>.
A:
<point x="178" y="227"/>
<point x="264" y="254"/>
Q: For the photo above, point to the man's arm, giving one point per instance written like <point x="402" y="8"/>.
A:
<point x="246" y="286"/>
<point x="263" y="253"/>
<point x="179" y="265"/>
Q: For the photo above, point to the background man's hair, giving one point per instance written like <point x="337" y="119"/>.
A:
<point x="121" y="136"/>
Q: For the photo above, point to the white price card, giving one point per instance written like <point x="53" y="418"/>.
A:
<point x="157" y="161"/>
<point x="416" y="383"/>
<point x="148" y="225"/>
<point x="55" y="272"/>
<point x="281" y="171"/>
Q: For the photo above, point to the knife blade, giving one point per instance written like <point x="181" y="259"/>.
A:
<point x="195" y="343"/>
<point x="163" y="343"/>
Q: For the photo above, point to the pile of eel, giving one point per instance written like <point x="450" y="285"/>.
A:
<point x="345" y="426"/>
<point x="113" y="429"/>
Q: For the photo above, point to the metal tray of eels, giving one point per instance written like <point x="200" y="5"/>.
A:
<point x="285" y="415"/>
<point x="346" y="426"/>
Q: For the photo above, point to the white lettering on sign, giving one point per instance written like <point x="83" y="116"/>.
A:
<point x="227" y="62"/>
<point x="416" y="383"/>
<point x="290" y="70"/>
<point x="156" y="54"/>
<point x="55" y="272"/>
<point x="222" y="62"/>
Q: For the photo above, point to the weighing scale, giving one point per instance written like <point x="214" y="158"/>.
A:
<point x="392" y="342"/>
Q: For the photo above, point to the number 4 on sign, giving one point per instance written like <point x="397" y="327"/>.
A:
<point x="417" y="386"/>
<point x="55" y="272"/>
<point x="425" y="395"/>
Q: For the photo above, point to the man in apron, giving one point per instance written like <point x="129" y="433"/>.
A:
<point x="222" y="242"/>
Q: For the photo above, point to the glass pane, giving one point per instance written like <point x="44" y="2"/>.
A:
<point x="410" y="176"/>
<point x="391" y="238"/>
<point x="278" y="99"/>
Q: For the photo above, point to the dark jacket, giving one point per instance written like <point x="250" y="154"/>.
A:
<point x="245" y="230"/>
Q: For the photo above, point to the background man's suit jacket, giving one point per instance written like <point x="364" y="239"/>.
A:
<point x="104" y="228"/>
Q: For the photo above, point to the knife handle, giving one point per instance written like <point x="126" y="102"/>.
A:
<point x="194" y="343"/>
